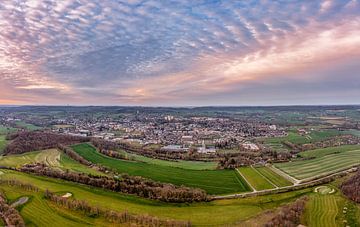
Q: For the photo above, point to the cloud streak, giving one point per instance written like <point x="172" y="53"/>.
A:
<point x="170" y="52"/>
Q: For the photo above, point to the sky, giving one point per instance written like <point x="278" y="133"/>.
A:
<point x="179" y="53"/>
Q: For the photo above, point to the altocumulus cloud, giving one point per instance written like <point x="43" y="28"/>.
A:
<point x="175" y="52"/>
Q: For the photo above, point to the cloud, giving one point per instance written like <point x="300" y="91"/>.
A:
<point x="144" y="51"/>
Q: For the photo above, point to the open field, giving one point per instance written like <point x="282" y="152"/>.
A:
<point x="295" y="138"/>
<point x="5" y="130"/>
<point x="194" y="165"/>
<point x="255" y="179"/>
<point x="3" y="143"/>
<point x="318" y="153"/>
<point x="213" y="181"/>
<point x="273" y="177"/>
<point x="328" y="210"/>
<point x="219" y="212"/>
<point x="52" y="157"/>
<point x="321" y="166"/>
<point x="27" y="126"/>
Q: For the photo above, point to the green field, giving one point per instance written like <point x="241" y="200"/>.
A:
<point x="5" y="130"/>
<point x="194" y="165"/>
<point x="321" y="166"/>
<point x="3" y="143"/>
<point x="219" y="212"/>
<point x="255" y="179"/>
<point x="274" y="177"/>
<point x="52" y="157"/>
<point x="213" y="181"/>
<point x="328" y="210"/>
<point x="27" y="126"/>
<point x="317" y="153"/>
<point x="295" y="138"/>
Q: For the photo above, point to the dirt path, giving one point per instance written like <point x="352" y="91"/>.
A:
<point x="20" y="201"/>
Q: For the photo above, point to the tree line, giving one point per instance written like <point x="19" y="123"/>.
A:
<point x="351" y="187"/>
<point x="22" y="142"/>
<point x="110" y="215"/>
<point x="290" y="215"/>
<point x="125" y="184"/>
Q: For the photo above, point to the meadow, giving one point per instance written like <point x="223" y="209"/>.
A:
<point x="219" y="212"/>
<point x="194" y="165"/>
<point x="318" y="153"/>
<point x="321" y="166"/>
<point x="273" y="177"/>
<point x="255" y="179"/>
<point x="328" y="210"/>
<point x="52" y="157"/>
<point x="212" y="181"/>
<point x="295" y="138"/>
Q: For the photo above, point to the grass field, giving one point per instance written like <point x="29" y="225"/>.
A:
<point x="321" y="166"/>
<point x="273" y="177"/>
<point x="27" y="126"/>
<point x="3" y="143"/>
<point x="5" y="130"/>
<point x="52" y="157"/>
<point x="255" y="179"/>
<point x="213" y="181"/>
<point x="219" y="212"/>
<point x="295" y="138"/>
<point x="194" y="165"/>
<point x="328" y="210"/>
<point x="317" y="153"/>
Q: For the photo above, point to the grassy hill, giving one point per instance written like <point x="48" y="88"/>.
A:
<point x="212" y="181"/>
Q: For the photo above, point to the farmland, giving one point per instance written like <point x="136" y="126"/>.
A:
<point x="212" y="181"/>
<point x="194" y="165"/>
<point x="295" y="138"/>
<point x="52" y="158"/>
<point x="321" y="166"/>
<point x="273" y="177"/>
<point x="220" y="212"/>
<point x="255" y="179"/>
<point x="317" y="153"/>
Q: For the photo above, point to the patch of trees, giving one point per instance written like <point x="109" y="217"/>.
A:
<point x="351" y="187"/>
<point x="10" y="215"/>
<point x="246" y="158"/>
<point x="23" y="142"/>
<point x="126" y="184"/>
<point x="110" y="215"/>
<point x="24" y="186"/>
<point x="72" y="154"/>
<point x="289" y="215"/>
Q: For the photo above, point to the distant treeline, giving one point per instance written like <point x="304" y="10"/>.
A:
<point x="289" y="215"/>
<point x="9" y="214"/>
<point x="23" y="142"/>
<point x="126" y="184"/>
<point x="110" y="215"/>
<point x="351" y="187"/>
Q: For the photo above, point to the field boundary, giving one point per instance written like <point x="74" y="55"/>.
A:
<point x="288" y="188"/>
<point x="252" y="187"/>
<point x="268" y="180"/>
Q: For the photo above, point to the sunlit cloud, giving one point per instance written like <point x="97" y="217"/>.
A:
<point x="171" y="52"/>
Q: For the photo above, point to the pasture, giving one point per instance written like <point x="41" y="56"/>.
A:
<point x="219" y="212"/>
<point x="255" y="179"/>
<point x="318" y="153"/>
<point x="3" y="143"/>
<point x="194" y="165"/>
<point x="324" y="165"/>
<point x="295" y="138"/>
<point x="273" y="177"/>
<point x="330" y="210"/>
<point x="52" y="157"/>
<point x="212" y="181"/>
